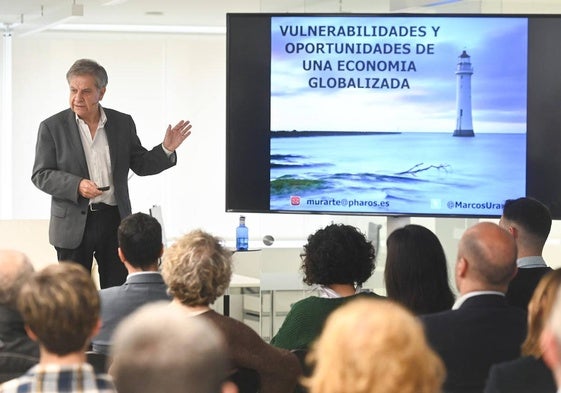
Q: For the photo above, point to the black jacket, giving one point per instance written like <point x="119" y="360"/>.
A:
<point x="485" y="330"/>
<point x="17" y="352"/>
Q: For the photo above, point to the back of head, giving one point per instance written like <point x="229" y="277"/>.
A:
<point x="60" y="304"/>
<point x="416" y="274"/>
<point x="490" y="252"/>
<point x="140" y="240"/>
<point x="160" y="348"/>
<point x="15" y="270"/>
<point x="338" y="254"/>
<point x="539" y="310"/>
<point x="197" y="268"/>
<point x="374" y="346"/>
<point x="531" y="217"/>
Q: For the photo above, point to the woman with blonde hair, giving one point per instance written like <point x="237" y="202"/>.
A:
<point x="529" y="373"/>
<point x="197" y="270"/>
<point x="373" y="346"/>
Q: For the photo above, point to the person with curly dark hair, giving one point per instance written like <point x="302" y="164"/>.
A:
<point x="416" y="274"/>
<point x="337" y="260"/>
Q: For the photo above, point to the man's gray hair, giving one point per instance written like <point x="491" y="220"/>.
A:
<point x="161" y="348"/>
<point x="15" y="270"/>
<point x="88" y="67"/>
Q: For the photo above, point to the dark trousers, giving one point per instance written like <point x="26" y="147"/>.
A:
<point x="99" y="241"/>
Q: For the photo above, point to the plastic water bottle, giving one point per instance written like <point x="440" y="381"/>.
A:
<point x="242" y="236"/>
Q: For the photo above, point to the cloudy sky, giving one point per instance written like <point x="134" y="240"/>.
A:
<point x="498" y="51"/>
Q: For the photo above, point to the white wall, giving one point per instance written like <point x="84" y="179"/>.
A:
<point x="160" y="79"/>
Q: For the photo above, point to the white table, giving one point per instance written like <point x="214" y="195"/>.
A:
<point x="238" y="283"/>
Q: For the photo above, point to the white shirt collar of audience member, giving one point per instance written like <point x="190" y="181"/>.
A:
<point x="468" y="295"/>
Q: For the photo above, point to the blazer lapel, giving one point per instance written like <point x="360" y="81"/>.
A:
<point x="111" y="141"/>
<point x="76" y="142"/>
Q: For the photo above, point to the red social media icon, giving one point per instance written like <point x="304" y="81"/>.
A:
<point x="295" y="200"/>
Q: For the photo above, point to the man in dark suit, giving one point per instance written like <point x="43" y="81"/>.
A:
<point x="522" y="375"/>
<point x="529" y="222"/>
<point x="482" y="328"/>
<point x="83" y="156"/>
<point x="140" y="247"/>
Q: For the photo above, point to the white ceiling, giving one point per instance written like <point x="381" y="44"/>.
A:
<point x="128" y="12"/>
<point x="21" y="16"/>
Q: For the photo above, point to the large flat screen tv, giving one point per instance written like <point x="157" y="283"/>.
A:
<point x="392" y="114"/>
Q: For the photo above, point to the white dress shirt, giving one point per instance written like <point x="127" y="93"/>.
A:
<point x="96" y="150"/>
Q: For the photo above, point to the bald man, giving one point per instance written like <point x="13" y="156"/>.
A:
<point x="17" y="352"/>
<point x="482" y="328"/>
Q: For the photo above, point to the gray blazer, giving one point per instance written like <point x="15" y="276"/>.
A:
<point x="118" y="302"/>
<point x="60" y="165"/>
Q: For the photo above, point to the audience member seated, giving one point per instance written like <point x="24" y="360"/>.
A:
<point x="60" y="308"/>
<point x="197" y="270"/>
<point x="159" y="348"/>
<point x="140" y="248"/>
<point x="529" y="222"/>
<point x="373" y="346"/>
<point x="482" y="328"/>
<point x="529" y="373"/>
<point x="338" y="260"/>
<point x="415" y="273"/>
<point x="18" y="352"/>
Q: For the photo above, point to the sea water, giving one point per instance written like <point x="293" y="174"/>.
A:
<point x="413" y="173"/>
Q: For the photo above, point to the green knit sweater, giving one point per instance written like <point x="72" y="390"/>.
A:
<point x="305" y="320"/>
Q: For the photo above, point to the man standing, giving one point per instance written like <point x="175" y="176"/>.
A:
<point x="17" y="352"/>
<point x="82" y="159"/>
<point x="140" y="247"/>
<point x="482" y="328"/>
<point x="529" y="222"/>
<point x="60" y="308"/>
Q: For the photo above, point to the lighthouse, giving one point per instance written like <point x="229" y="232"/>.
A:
<point x="464" y="71"/>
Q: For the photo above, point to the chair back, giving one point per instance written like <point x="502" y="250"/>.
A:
<point x="246" y="379"/>
<point x="306" y="369"/>
<point x="99" y="361"/>
<point x="14" y="365"/>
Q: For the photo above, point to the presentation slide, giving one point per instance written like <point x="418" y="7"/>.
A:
<point x="398" y="115"/>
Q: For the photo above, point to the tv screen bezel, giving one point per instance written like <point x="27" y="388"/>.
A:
<point x="248" y="126"/>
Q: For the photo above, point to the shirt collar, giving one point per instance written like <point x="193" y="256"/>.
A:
<point x="326" y="292"/>
<point x="530" y="262"/>
<point x="468" y="295"/>
<point x="102" y="118"/>
<point x="54" y="367"/>
<point x="142" y="273"/>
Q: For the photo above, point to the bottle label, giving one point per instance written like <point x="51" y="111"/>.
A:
<point x="241" y="244"/>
